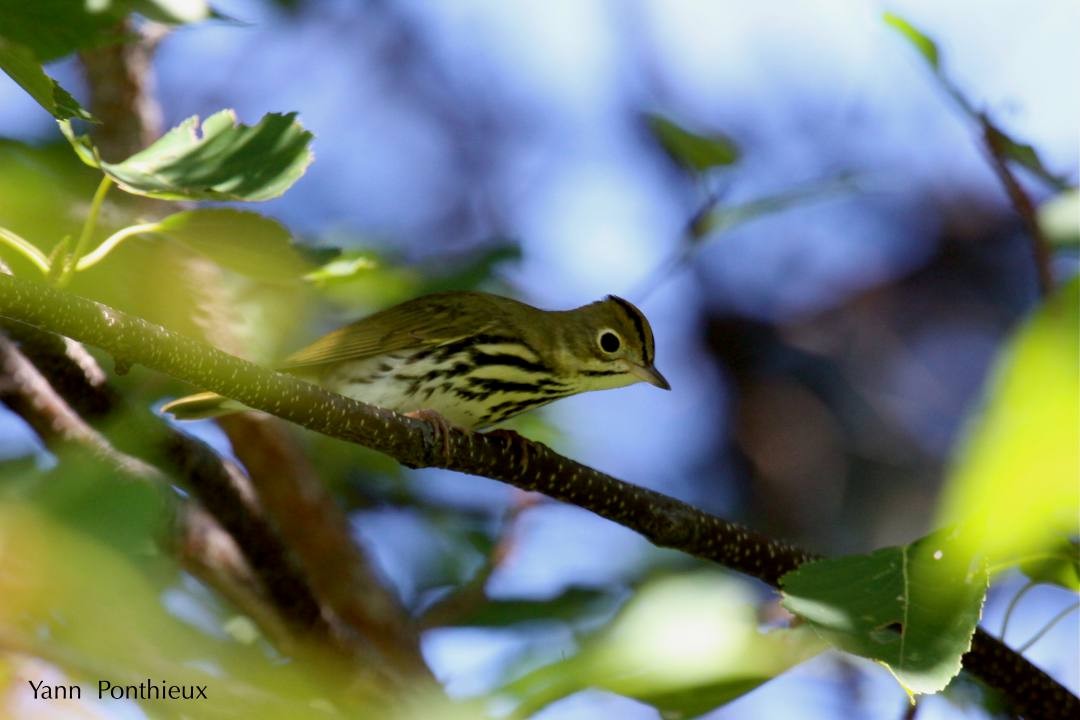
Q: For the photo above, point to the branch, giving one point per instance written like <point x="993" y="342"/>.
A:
<point x="318" y="533"/>
<point x="500" y="456"/>
<point x="29" y="395"/>
<point x="120" y="78"/>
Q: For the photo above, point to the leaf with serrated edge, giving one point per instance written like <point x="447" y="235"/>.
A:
<point x="219" y="160"/>
<point x="913" y="608"/>
<point x="23" y="67"/>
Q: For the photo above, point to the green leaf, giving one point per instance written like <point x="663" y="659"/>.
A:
<point x="692" y="151"/>
<point x="60" y="590"/>
<point x="19" y="62"/>
<point x="347" y="266"/>
<point x="1024" y="154"/>
<point x="244" y="242"/>
<point x="926" y="47"/>
<point x="54" y="28"/>
<point x="1059" y="565"/>
<point x="1013" y="484"/>
<point x="683" y="644"/>
<point x="909" y="607"/>
<point x="1059" y="218"/>
<point x="474" y="271"/>
<point x="219" y="160"/>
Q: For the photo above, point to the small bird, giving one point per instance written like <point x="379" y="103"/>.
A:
<point x="473" y="358"/>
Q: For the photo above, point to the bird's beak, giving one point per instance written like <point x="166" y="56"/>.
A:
<point x="649" y="374"/>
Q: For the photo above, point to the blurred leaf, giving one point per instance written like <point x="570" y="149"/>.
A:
<point x="903" y="606"/>
<point x="1059" y="218"/>
<point x="572" y="604"/>
<point x="244" y="242"/>
<point x="54" y="28"/>
<point x="1021" y="153"/>
<point x="44" y="196"/>
<point x="689" y="150"/>
<point x="19" y="62"/>
<point x="64" y="595"/>
<point x="348" y="265"/>
<point x="475" y="271"/>
<point x="926" y="47"/>
<point x="1058" y="565"/>
<point x="1013" y="483"/>
<point x="219" y="160"/>
<point x="683" y="644"/>
<point x="129" y="515"/>
<point x="172" y="12"/>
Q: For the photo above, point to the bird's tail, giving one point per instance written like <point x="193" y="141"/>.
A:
<point x="201" y="405"/>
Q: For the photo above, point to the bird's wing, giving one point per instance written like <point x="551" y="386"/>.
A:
<point x="424" y="322"/>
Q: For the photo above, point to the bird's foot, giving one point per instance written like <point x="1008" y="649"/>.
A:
<point x="440" y="427"/>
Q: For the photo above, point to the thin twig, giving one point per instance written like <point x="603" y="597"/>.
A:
<point x="1012" y="606"/>
<point x="1021" y="202"/>
<point x="1064" y="613"/>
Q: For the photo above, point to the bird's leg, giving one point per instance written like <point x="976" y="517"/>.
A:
<point x="440" y="426"/>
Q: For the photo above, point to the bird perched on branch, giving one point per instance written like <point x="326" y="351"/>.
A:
<point x="475" y="359"/>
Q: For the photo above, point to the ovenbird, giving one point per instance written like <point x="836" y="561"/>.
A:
<point x="475" y="359"/>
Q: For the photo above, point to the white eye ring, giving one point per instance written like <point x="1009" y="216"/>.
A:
<point x="609" y="341"/>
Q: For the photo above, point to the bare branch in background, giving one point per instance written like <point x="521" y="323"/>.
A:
<point x="317" y="532"/>
<point x="121" y="81"/>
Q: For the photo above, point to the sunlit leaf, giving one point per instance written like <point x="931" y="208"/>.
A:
<point x="220" y="159"/>
<point x="19" y="62"/>
<point x="909" y="607"/>
<point x="683" y="644"/>
<point x="1059" y="218"/>
<point x="244" y="242"/>
<point x="348" y="265"/>
<point x="918" y="39"/>
<point x="1013" y="483"/>
<point x="691" y="150"/>
<point x="1058" y="565"/>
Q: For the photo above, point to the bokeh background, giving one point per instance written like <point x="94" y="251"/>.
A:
<point x="823" y="357"/>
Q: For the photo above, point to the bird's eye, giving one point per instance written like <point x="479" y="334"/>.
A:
<point x="609" y="341"/>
